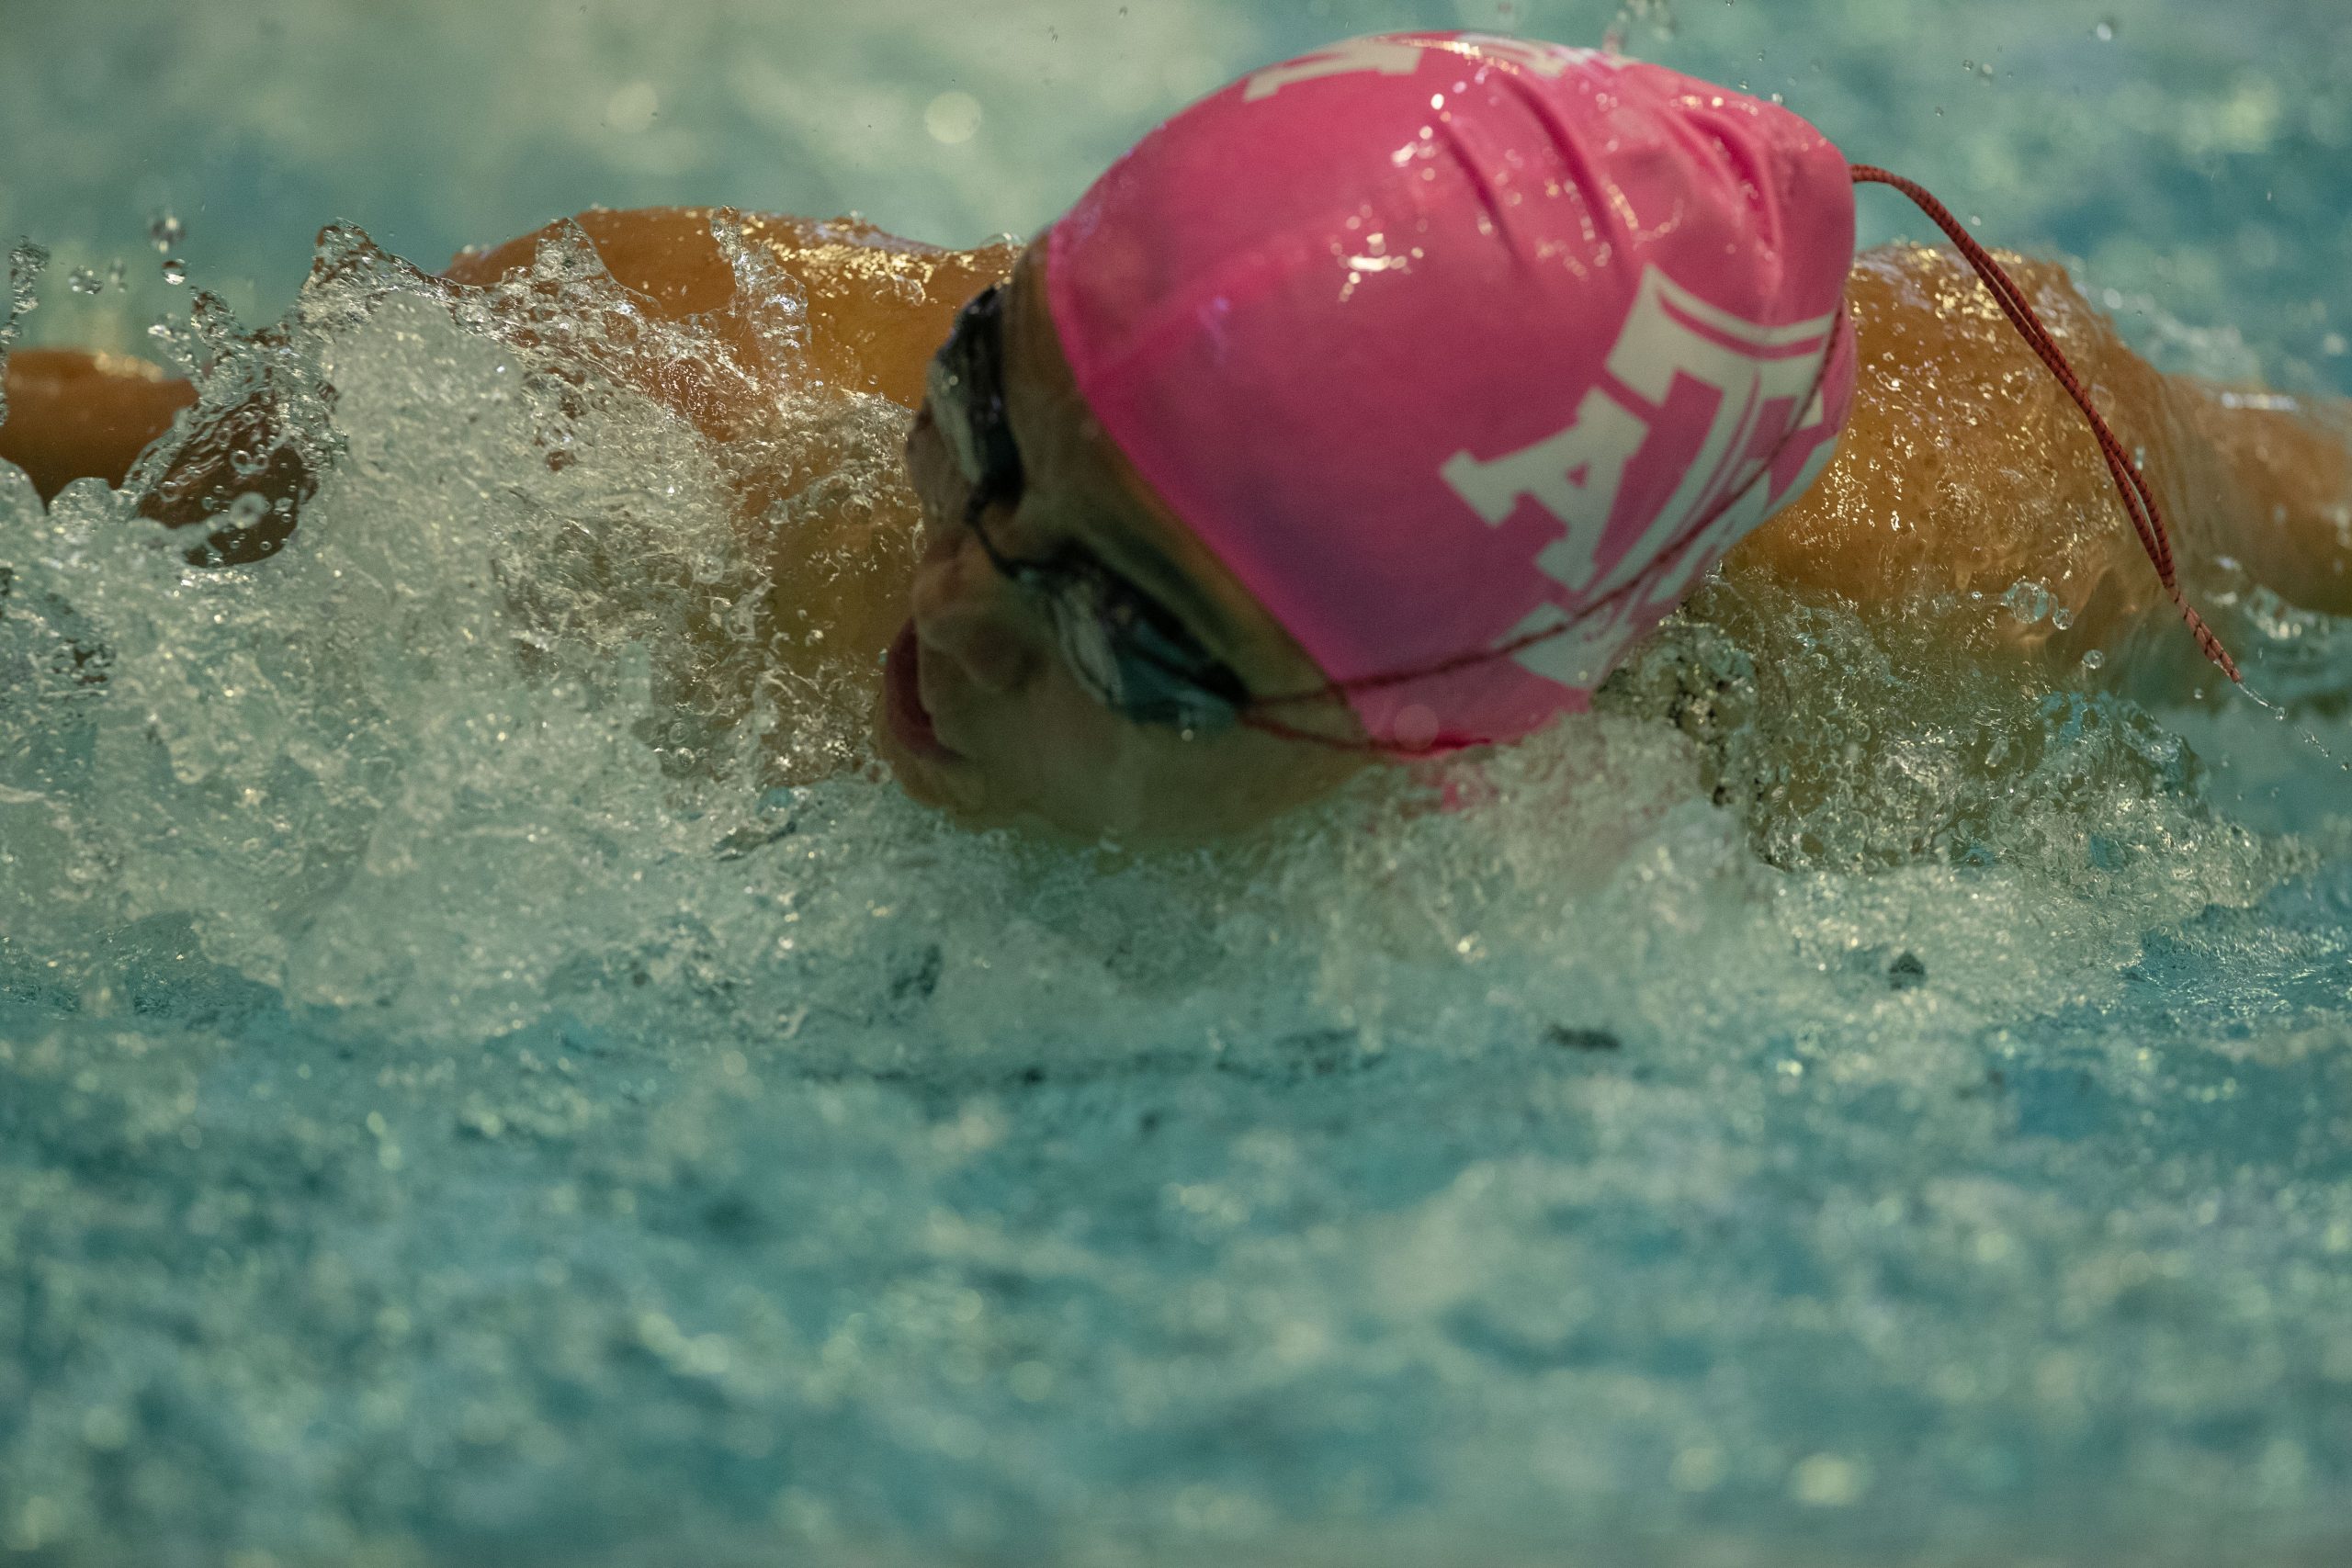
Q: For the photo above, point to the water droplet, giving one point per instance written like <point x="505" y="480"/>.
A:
<point x="84" y="280"/>
<point x="164" y="232"/>
<point x="175" y="271"/>
<point x="633" y="108"/>
<point x="952" y="117"/>
<point x="2028" y="601"/>
<point x="25" y="265"/>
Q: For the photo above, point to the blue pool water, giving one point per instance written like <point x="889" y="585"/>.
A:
<point x="448" y="1115"/>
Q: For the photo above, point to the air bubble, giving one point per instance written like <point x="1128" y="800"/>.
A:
<point x="952" y="117"/>
<point x="2093" y="659"/>
<point x="2104" y="31"/>
<point x="175" y="271"/>
<point x="164" y="232"/>
<point x="84" y="280"/>
<point x="2028" y="601"/>
<point x="247" y="510"/>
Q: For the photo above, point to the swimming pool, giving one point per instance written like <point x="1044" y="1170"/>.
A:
<point x="444" y="1115"/>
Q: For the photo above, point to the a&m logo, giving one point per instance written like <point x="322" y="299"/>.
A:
<point x="1576" y="476"/>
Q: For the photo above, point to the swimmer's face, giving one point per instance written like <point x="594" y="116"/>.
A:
<point x="1014" y="734"/>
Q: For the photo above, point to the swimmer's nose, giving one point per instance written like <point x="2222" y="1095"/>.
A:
<point x="966" y="614"/>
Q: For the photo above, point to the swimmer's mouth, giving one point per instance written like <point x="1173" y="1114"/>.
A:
<point x="909" y="721"/>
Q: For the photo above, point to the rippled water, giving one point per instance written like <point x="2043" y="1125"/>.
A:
<point x="457" y="1104"/>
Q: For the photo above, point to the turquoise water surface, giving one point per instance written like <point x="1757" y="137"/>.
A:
<point x="451" y="1113"/>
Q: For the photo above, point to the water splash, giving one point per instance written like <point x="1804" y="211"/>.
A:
<point x="25" y="262"/>
<point x="494" y="726"/>
<point x="503" y="980"/>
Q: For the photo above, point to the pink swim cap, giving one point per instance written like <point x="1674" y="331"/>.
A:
<point x="1467" y="355"/>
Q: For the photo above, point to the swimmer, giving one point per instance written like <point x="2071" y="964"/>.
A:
<point x="1376" y="406"/>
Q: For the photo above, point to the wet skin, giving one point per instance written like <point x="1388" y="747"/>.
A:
<point x="74" y="415"/>
<point x="1964" y="470"/>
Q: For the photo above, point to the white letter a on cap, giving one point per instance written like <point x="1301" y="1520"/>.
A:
<point x="1390" y="57"/>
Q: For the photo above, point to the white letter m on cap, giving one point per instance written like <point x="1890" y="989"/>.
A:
<point x="1576" y="473"/>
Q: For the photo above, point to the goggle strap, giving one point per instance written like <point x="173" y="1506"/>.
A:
<point x="2139" y="502"/>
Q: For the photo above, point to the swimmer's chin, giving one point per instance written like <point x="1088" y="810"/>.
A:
<point x="958" y="788"/>
<point x="943" y="783"/>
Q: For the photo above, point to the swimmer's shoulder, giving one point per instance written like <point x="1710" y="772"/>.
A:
<point x="71" y="415"/>
<point x="1964" y="470"/>
<point x="877" y="304"/>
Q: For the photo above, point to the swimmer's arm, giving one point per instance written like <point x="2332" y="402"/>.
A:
<point x="878" y="306"/>
<point x="1965" y="471"/>
<point x="2291" y="461"/>
<point x="75" y="415"/>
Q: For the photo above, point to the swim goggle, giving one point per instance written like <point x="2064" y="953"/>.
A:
<point x="1128" y="651"/>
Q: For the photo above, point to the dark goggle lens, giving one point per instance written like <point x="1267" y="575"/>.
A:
<point x="1134" y="659"/>
<point x="966" y="384"/>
